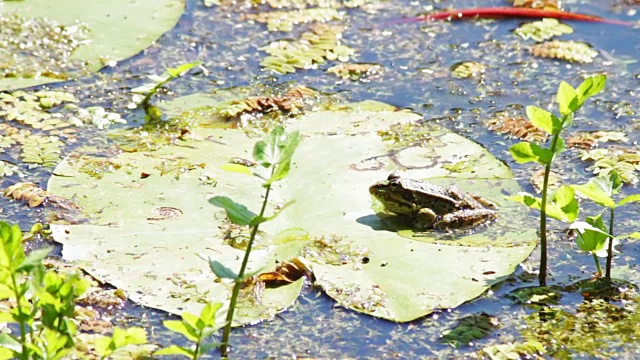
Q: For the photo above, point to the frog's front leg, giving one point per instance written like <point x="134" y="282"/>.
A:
<point x="464" y="218"/>
<point x="425" y="219"/>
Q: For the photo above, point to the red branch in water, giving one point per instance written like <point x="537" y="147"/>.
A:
<point x="513" y="12"/>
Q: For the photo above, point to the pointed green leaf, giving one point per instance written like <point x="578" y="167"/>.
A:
<point x="543" y="120"/>
<point x="525" y="152"/>
<point x="208" y="313"/>
<point x="34" y="259"/>
<point x="563" y="205"/>
<point x="11" y="251"/>
<point x="237" y="168"/>
<point x="567" y="98"/>
<point x="175" y="350"/>
<point x="592" y="234"/>
<point x="222" y="271"/>
<point x="590" y="87"/>
<point x="180" y="70"/>
<point x="629" y="199"/>
<point x="527" y="199"/>
<point x="180" y="327"/>
<point x="289" y="145"/>
<point x="237" y="213"/>
<point x="598" y="190"/>
<point x="267" y="151"/>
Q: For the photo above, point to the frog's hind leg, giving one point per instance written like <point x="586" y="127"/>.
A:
<point x="464" y="219"/>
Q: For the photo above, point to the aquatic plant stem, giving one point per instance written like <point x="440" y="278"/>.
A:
<point x="542" y="275"/>
<point x="224" y="348"/>
<point x="610" y="248"/>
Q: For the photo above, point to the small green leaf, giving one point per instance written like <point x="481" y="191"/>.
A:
<point x="283" y="164"/>
<point x="527" y="199"/>
<point x="544" y="120"/>
<point x="563" y="206"/>
<point x="567" y="98"/>
<point x="590" y="87"/>
<point x="180" y="327"/>
<point x="634" y="235"/>
<point x="599" y="190"/>
<point x="629" y="199"/>
<point x="237" y="213"/>
<point x="525" y="152"/>
<point x="34" y="259"/>
<point x="175" y="350"/>
<point x="222" y="271"/>
<point x="180" y="70"/>
<point x="592" y="234"/>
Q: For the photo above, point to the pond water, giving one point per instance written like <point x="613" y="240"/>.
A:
<point x="416" y="59"/>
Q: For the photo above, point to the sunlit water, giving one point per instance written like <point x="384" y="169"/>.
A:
<point x="416" y="59"/>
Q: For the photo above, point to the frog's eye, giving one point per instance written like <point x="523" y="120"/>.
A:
<point x="393" y="176"/>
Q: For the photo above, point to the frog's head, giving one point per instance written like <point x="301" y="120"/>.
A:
<point x="393" y="194"/>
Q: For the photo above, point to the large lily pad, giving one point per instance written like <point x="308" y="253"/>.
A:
<point x="111" y="31"/>
<point x="358" y="257"/>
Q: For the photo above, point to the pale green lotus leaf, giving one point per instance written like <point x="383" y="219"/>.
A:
<point x="94" y="34"/>
<point x="148" y="235"/>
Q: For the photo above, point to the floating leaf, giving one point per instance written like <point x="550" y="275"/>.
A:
<point x="468" y="69"/>
<point x="284" y="20"/>
<point x="360" y="71"/>
<point x="313" y="47"/>
<point x="46" y="41"/>
<point x="624" y="161"/>
<point x="367" y="263"/>
<point x="565" y="50"/>
<point x="538" y="4"/>
<point x="470" y="329"/>
<point x="36" y="196"/>
<point x="589" y="139"/>
<point x="517" y="350"/>
<point x="543" y="30"/>
<point x="517" y="126"/>
<point x="42" y="150"/>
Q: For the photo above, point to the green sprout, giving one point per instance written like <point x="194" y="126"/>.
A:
<point x="562" y="205"/>
<point x="274" y="153"/>
<point x="593" y="235"/>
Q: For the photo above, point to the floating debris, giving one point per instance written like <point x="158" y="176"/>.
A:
<point x="468" y="69"/>
<point x="589" y="139"/>
<point x="517" y="126"/>
<point x="314" y="47"/>
<point x="33" y="47"/>
<point x="538" y="4"/>
<point x="470" y="329"/>
<point x="284" y="20"/>
<point x="356" y="71"/>
<point x="543" y="30"/>
<point x="35" y="196"/>
<point x="565" y="50"/>
<point x="290" y="103"/>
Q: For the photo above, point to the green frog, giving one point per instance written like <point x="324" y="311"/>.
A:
<point x="430" y="206"/>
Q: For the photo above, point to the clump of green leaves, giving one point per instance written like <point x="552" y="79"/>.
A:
<point x="561" y="205"/>
<point x="42" y="304"/>
<point x="543" y="30"/>
<point x="274" y="154"/>
<point x="593" y="234"/>
<point x="157" y="82"/>
<point x="469" y="329"/>
<point x="518" y="350"/>
<point x="624" y="161"/>
<point x="314" y="47"/>
<point x="196" y="329"/>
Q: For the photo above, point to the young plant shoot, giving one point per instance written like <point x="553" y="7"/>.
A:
<point x="274" y="154"/>
<point x="562" y="204"/>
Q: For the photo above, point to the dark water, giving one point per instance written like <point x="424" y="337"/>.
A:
<point x="416" y="59"/>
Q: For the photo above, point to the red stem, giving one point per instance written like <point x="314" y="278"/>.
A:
<point x="513" y="12"/>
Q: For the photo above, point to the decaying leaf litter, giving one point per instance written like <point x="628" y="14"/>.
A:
<point x="483" y="93"/>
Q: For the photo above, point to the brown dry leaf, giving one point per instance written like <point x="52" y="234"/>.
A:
<point x="516" y="126"/>
<point x="589" y="139"/>
<point x="290" y="103"/>
<point x="284" y="274"/>
<point x="35" y="196"/>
